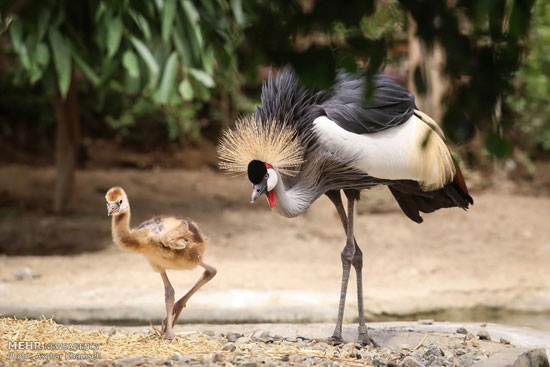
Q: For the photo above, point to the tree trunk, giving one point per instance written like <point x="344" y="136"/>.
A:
<point x="430" y="63"/>
<point x="67" y="146"/>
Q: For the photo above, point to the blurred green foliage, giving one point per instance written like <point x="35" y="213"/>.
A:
<point x="175" y="61"/>
<point x="149" y="58"/>
<point x="530" y="101"/>
<point x="158" y="48"/>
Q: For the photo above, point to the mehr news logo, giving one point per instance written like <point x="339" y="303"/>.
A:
<point x="36" y="351"/>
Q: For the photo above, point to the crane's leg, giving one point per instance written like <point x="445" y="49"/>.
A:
<point x="346" y="257"/>
<point x="209" y="272"/>
<point x="169" y="300"/>
<point x="357" y="262"/>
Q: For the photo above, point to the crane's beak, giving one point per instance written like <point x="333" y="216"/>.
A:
<point x="258" y="190"/>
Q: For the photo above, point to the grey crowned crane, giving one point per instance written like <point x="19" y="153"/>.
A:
<point x="301" y="145"/>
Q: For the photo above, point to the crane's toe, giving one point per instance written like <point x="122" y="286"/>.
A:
<point x="335" y="340"/>
<point x="169" y="336"/>
<point x="365" y="340"/>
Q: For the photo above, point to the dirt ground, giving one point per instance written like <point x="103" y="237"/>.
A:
<point x="493" y="257"/>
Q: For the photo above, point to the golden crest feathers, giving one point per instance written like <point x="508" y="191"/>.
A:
<point x="274" y="143"/>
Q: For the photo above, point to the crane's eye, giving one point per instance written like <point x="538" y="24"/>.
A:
<point x="266" y="176"/>
<point x="119" y="201"/>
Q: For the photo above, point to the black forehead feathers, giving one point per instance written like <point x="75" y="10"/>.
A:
<point x="256" y="171"/>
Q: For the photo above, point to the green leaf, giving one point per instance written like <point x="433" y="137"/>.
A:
<point x="237" y="8"/>
<point x="62" y="60"/>
<point x="159" y="4"/>
<point x="19" y="46"/>
<point x="149" y="60"/>
<point x="208" y="60"/>
<point x="168" y="79"/>
<point x="85" y="68"/>
<point x="498" y="146"/>
<point x="114" y="35"/>
<point x="16" y="35"/>
<point x="42" y="54"/>
<point x="168" y="14"/>
<point x="43" y="23"/>
<point x="193" y="28"/>
<point x="190" y="10"/>
<point x="202" y="77"/>
<point x="130" y="62"/>
<point x="186" y="90"/>
<point x="179" y="39"/>
<point x="142" y="23"/>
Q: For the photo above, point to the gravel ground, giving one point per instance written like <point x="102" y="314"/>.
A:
<point x="263" y="349"/>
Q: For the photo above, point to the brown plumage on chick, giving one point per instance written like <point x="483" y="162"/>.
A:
<point x="167" y="242"/>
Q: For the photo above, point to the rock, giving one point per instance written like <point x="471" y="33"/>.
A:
<point x="229" y="347"/>
<point x="484" y="324"/>
<point x="460" y="352"/>
<point x="462" y="330"/>
<point x="379" y="362"/>
<point x="426" y="322"/>
<point x="503" y="340"/>
<point x="249" y="364"/>
<point x="218" y="357"/>
<point x="156" y="361"/>
<point x="264" y="335"/>
<point x="25" y="273"/>
<point x="285" y="358"/>
<point x="177" y="358"/>
<point x="134" y="361"/>
<point x="483" y="335"/>
<point x="410" y="362"/>
<point x="243" y="340"/>
<point x="232" y="337"/>
<point x="434" y="352"/>
<point x="209" y="333"/>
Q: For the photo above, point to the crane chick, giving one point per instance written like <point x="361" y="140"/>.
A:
<point x="167" y="242"/>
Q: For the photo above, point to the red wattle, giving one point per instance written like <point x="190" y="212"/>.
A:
<point x="271" y="199"/>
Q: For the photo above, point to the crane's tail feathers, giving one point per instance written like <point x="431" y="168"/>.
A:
<point x="412" y="200"/>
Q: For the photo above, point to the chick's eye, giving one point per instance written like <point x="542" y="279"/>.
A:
<point x="119" y="201"/>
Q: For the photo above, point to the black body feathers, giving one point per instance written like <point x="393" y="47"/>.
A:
<point x="284" y="99"/>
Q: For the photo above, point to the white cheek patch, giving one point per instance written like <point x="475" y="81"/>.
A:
<point x="272" y="179"/>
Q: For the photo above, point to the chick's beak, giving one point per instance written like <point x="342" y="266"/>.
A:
<point x="257" y="190"/>
<point x="111" y="208"/>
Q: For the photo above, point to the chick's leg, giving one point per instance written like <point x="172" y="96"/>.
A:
<point x="209" y="272"/>
<point x="169" y="300"/>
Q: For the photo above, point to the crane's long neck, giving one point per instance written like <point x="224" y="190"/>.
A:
<point x="293" y="201"/>
<point x="122" y="234"/>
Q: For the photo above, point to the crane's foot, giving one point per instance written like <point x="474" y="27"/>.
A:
<point x="365" y="340"/>
<point x="169" y="336"/>
<point x="335" y="340"/>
